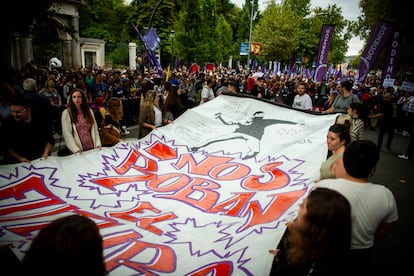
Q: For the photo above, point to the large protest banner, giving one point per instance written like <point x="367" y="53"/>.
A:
<point x="209" y="194"/>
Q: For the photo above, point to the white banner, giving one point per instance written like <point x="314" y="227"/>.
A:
<point x="207" y="195"/>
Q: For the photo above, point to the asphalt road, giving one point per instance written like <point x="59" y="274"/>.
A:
<point x="393" y="254"/>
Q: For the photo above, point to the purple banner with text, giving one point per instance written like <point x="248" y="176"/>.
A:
<point x="324" y="44"/>
<point x="376" y="43"/>
<point x="392" y="59"/>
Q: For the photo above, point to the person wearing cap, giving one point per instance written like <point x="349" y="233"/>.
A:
<point x="259" y="87"/>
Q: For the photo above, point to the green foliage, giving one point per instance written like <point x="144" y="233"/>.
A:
<point x="277" y="32"/>
<point x="211" y="30"/>
<point x="118" y="54"/>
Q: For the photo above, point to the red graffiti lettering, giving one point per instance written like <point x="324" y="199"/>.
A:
<point x="129" y="247"/>
<point x="17" y="190"/>
<point x="130" y="163"/>
<point x="278" y="179"/>
<point x="279" y="204"/>
<point x="217" y="269"/>
<point x="233" y="206"/>
<point x="198" y="193"/>
<point x="162" y="151"/>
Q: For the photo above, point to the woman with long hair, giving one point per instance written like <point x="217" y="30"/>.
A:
<point x="70" y="245"/>
<point x="337" y="139"/>
<point x="318" y="241"/>
<point x="150" y="114"/>
<point x="173" y="106"/>
<point x="111" y="128"/>
<point x="79" y="126"/>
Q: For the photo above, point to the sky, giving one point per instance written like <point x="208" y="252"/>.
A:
<point x="350" y="11"/>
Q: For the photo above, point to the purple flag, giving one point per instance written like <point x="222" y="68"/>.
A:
<point x="254" y="67"/>
<point x="324" y="44"/>
<point x="339" y="73"/>
<point x="151" y="39"/>
<point x="392" y="59"/>
<point x="375" y="44"/>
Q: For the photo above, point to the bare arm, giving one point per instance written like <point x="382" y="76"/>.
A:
<point x="218" y="116"/>
<point x="383" y="229"/>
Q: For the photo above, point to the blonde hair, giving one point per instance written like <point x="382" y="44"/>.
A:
<point x="149" y="98"/>
<point x="49" y="86"/>
<point x="344" y="119"/>
<point x="112" y="106"/>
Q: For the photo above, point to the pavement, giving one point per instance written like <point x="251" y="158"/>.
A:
<point x="393" y="254"/>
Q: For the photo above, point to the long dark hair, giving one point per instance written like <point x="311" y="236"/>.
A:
<point x="73" y="111"/>
<point x="70" y="245"/>
<point x="325" y="238"/>
<point x="173" y="103"/>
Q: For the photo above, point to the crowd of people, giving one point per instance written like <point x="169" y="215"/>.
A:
<point x="335" y="229"/>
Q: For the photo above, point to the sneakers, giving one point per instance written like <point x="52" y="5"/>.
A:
<point x="124" y="131"/>
<point x="403" y="156"/>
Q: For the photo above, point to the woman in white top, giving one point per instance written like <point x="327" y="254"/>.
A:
<point x="207" y="94"/>
<point x="79" y="126"/>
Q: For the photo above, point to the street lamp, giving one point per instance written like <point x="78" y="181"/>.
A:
<point x="172" y="34"/>
<point x="250" y="33"/>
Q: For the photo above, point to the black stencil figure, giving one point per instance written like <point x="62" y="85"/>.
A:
<point x="251" y="132"/>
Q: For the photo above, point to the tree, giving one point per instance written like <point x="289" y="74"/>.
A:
<point x="278" y="32"/>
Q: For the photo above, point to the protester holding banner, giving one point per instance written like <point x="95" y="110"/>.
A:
<point x="79" y="126"/>
<point x="337" y="139"/>
<point x="318" y="240"/>
<point x="302" y="100"/>
<point x="26" y="136"/>
<point x="342" y="101"/>
<point x="207" y="94"/>
<point x="174" y="105"/>
<point x="374" y="210"/>
<point x="70" y="245"/>
<point x="150" y="114"/>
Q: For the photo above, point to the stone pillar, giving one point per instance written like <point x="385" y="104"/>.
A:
<point x="132" y="46"/>
<point x="76" y="50"/>
<point x="67" y="61"/>
<point x="27" y="50"/>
